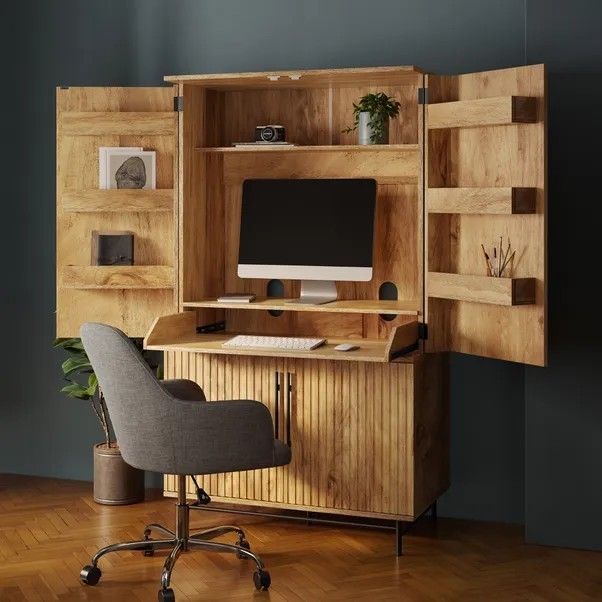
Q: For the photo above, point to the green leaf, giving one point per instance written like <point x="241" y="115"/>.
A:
<point x="76" y="391"/>
<point x="92" y="385"/>
<point x="380" y="106"/>
<point x="69" y="344"/>
<point x="74" y="365"/>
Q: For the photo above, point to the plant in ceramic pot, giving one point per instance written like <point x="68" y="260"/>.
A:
<point x="115" y="482"/>
<point x="371" y="116"/>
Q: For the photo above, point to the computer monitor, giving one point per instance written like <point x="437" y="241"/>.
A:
<point x="313" y="230"/>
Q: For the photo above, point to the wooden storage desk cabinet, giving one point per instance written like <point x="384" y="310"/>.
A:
<point x="466" y="164"/>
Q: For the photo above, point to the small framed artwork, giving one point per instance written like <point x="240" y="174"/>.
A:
<point x="131" y="169"/>
<point x="102" y="160"/>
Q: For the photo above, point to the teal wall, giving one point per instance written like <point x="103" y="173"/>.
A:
<point x="526" y="443"/>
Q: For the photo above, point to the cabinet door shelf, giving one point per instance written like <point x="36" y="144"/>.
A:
<point x="117" y="277"/>
<point x="482" y="289"/>
<point x="490" y="201"/>
<point x="352" y="306"/>
<point x="118" y="201"/>
<point x="177" y="332"/>
<point x="499" y="110"/>
<point x="122" y="123"/>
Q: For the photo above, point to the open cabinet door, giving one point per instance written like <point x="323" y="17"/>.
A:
<point x="129" y="297"/>
<point x="486" y="179"/>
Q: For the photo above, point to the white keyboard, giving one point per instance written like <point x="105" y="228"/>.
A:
<point x="279" y="343"/>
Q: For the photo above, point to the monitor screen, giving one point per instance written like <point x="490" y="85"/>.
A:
<point x="290" y="226"/>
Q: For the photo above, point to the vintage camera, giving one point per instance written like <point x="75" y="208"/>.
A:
<point x="269" y="133"/>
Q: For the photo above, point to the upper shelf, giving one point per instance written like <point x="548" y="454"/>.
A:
<point x="318" y="78"/>
<point x="353" y="306"/>
<point x="305" y="149"/>
<point x="499" y="110"/>
<point x="114" y="200"/>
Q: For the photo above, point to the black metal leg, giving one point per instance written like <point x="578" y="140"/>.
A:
<point x="434" y="511"/>
<point x="398" y="537"/>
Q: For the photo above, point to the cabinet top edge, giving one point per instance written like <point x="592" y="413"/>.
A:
<point x="300" y="76"/>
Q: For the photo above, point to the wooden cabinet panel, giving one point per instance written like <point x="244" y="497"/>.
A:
<point x="473" y="157"/>
<point x="129" y="298"/>
<point x="353" y="427"/>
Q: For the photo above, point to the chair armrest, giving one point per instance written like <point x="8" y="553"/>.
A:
<point x="184" y="389"/>
<point x="222" y="436"/>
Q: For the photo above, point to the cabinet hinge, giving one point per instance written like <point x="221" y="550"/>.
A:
<point x="178" y="103"/>
<point x="213" y="327"/>
<point x="423" y="331"/>
<point x="423" y="96"/>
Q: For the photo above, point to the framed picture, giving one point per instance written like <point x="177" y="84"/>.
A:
<point x="102" y="160"/>
<point x="131" y="169"/>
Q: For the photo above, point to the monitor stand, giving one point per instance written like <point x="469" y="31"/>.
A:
<point x="317" y="292"/>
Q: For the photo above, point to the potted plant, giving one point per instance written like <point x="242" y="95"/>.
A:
<point x="371" y="118"/>
<point x="115" y="482"/>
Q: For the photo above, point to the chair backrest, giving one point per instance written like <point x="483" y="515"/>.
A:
<point x="139" y="407"/>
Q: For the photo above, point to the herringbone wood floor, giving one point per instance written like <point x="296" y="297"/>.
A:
<point x="49" y="529"/>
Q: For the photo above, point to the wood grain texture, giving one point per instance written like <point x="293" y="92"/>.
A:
<point x="131" y="310"/>
<point x="304" y="113"/>
<point x="431" y="460"/>
<point x="355" y="306"/>
<point x="395" y="167"/>
<point x="130" y="123"/>
<point x="482" y="289"/>
<point x="370" y="350"/>
<point x="401" y="338"/>
<point x="196" y="235"/>
<point x="105" y="201"/>
<point x="50" y="527"/>
<point x="309" y="78"/>
<point x="353" y="433"/>
<point x="490" y="201"/>
<point x="117" y="277"/>
<point x="501" y="110"/>
<point x="168" y="328"/>
<point x="513" y="156"/>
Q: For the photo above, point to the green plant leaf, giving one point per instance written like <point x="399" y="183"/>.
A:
<point x="380" y="107"/>
<point x="74" y="365"/>
<point x="76" y="391"/>
<point x="92" y="385"/>
<point x="69" y="344"/>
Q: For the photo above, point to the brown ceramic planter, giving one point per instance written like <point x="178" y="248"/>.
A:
<point x="115" y="482"/>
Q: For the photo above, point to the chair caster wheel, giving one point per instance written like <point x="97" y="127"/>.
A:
<point x="90" y="575"/>
<point x="243" y="543"/>
<point x="166" y="595"/>
<point x="262" y="580"/>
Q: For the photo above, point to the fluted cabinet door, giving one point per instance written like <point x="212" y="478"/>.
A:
<point x="351" y="426"/>
<point x="352" y="437"/>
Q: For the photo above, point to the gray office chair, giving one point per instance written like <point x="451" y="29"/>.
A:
<point x="169" y="427"/>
